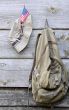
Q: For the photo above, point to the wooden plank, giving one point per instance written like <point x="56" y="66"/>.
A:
<point x="15" y="72"/>
<point x="31" y="108"/>
<point x="57" y="12"/>
<point x="19" y="98"/>
<point x="7" y="51"/>
<point x="25" y="108"/>
<point x="13" y="97"/>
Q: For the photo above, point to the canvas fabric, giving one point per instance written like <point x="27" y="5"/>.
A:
<point x="49" y="75"/>
<point x="20" y="34"/>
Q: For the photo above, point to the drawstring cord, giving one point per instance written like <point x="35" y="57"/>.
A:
<point x="52" y="107"/>
<point x="28" y="93"/>
<point x="29" y="86"/>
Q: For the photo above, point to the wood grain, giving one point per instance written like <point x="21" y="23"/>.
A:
<point x="7" y="51"/>
<point x="31" y="108"/>
<point x="57" y="12"/>
<point x="15" y="68"/>
<point x="15" y="72"/>
<point x="19" y="98"/>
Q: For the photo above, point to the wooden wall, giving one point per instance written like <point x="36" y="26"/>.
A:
<point x="15" y="68"/>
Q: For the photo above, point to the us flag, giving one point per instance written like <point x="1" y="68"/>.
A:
<point x="24" y="15"/>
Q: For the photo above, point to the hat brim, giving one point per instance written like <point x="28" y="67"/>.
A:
<point x="27" y="30"/>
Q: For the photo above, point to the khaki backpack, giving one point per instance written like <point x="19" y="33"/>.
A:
<point x="49" y="76"/>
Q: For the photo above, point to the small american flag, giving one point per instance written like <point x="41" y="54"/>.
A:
<point x="24" y="15"/>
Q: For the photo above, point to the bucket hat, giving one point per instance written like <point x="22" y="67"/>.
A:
<point x="21" y="30"/>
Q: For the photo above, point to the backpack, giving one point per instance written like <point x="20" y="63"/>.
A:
<point x="48" y="74"/>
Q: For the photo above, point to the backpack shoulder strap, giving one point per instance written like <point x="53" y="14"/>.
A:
<point x="30" y="76"/>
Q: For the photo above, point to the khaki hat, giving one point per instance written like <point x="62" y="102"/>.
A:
<point x="20" y="33"/>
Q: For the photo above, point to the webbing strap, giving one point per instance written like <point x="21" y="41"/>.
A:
<point x="30" y="76"/>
